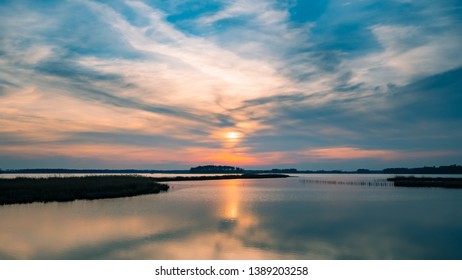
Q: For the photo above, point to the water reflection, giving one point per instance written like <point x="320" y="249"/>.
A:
<point x="235" y="219"/>
<point x="230" y="211"/>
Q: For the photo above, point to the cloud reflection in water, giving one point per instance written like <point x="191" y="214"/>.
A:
<point x="241" y="219"/>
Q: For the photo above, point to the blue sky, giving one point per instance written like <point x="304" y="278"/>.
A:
<point x="255" y="83"/>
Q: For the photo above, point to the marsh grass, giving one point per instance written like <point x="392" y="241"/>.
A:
<point x="438" y="182"/>
<point x="27" y="190"/>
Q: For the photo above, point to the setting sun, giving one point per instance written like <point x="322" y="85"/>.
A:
<point x="233" y="135"/>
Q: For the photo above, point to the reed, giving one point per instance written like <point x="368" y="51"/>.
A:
<point x="27" y="190"/>
<point x="439" y="182"/>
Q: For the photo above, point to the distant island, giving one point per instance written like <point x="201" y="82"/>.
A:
<point x="451" y="169"/>
<point x="204" y="169"/>
<point x="223" y="169"/>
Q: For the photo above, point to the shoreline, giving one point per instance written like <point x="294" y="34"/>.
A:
<point x="21" y="190"/>
<point x="220" y="177"/>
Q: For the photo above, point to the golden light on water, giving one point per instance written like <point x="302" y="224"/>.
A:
<point x="230" y="210"/>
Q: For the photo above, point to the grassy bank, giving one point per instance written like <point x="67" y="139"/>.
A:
<point x="451" y="183"/>
<point x="27" y="190"/>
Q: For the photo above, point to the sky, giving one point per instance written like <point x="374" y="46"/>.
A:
<point x="251" y="83"/>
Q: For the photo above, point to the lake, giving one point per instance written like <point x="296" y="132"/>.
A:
<point x="312" y="216"/>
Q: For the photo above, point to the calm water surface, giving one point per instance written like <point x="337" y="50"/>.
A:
<point x="307" y="217"/>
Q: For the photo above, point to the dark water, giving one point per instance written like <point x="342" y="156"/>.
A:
<point x="292" y="218"/>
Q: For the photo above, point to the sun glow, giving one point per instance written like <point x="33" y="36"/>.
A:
<point x="233" y="135"/>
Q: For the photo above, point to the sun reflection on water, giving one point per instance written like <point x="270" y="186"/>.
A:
<point x="231" y="204"/>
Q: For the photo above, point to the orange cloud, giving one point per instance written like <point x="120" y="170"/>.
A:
<point x="127" y="154"/>
<point x="350" y="153"/>
<point x="232" y="159"/>
<point x="357" y="153"/>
